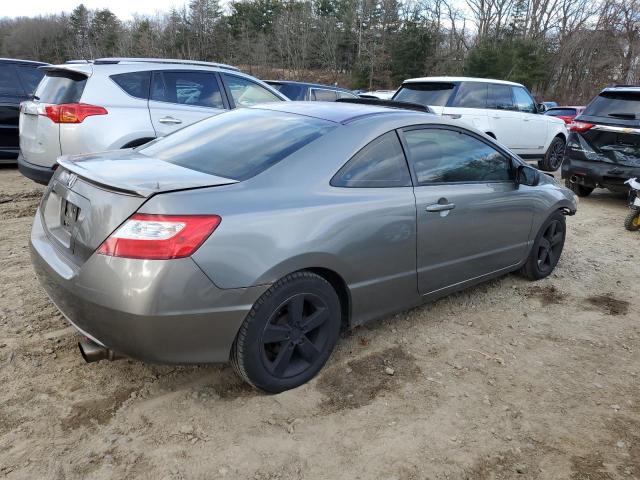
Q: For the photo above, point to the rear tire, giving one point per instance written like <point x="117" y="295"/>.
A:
<point x="632" y="220"/>
<point x="289" y="333"/>
<point x="547" y="248"/>
<point x="553" y="156"/>
<point x="579" y="190"/>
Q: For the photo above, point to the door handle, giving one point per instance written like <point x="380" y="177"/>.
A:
<point x="170" y="120"/>
<point x="440" y="207"/>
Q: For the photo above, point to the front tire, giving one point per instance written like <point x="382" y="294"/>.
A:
<point x="632" y="220"/>
<point x="579" y="190"/>
<point x="547" y="248"/>
<point x="554" y="155"/>
<point x="289" y="333"/>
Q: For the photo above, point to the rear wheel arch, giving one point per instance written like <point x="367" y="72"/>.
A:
<point x="341" y="288"/>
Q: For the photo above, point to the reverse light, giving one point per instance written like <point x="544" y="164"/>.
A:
<point x="72" y="112"/>
<point x="159" y="237"/>
<point x="580" y="127"/>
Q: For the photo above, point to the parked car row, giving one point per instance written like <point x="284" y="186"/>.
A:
<point x="207" y="232"/>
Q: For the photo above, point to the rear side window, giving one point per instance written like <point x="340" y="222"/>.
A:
<point x="471" y="95"/>
<point x="61" y="87"/>
<point x="449" y="156"/>
<point x="30" y="77"/>
<point x="623" y="105"/>
<point x="523" y="101"/>
<point x="431" y="93"/>
<point x="346" y="95"/>
<point x="9" y="84"/>
<point x="323" y="95"/>
<point x="135" y="84"/>
<point x="238" y="144"/>
<point x="500" y="97"/>
<point x="379" y="164"/>
<point x="199" y="89"/>
<point x="246" y="93"/>
<point x="564" y="112"/>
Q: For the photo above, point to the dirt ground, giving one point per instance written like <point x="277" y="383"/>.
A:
<point x="511" y="379"/>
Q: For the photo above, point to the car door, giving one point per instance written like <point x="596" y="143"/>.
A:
<point x="179" y="98"/>
<point x="533" y="126"/>
<point x="470" y="103"/>
<point x="504" y="119"/>
<point x="472" y="220"/>
<point x="11" y="94"/>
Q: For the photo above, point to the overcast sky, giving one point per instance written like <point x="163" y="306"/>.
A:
<point x="124" y="9"/>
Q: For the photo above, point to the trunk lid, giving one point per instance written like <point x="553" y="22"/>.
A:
<point x="610" y="143"/>
<point x="39" y="135"/>
<point x="91" y="195"/>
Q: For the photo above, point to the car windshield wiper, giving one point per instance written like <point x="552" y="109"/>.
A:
<point x="631" y="116"/>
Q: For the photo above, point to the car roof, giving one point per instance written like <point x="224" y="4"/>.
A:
<point x="17" y="60"/>
<point x="171" y="61"/>
<point x="622" y="88"/>
<point x="308" y="84"/>
<point x="460" y="79"/>
<point x="339" y="112"/>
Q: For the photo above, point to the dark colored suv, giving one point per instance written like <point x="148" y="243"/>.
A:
<point x="300" y="91"/>
<point x="18" y="81"/>
<point x="603" y="149"/>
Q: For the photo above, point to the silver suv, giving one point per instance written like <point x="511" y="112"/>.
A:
<point x="114" y="103"/>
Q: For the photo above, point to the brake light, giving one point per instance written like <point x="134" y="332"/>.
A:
<point x="159" y="237"/>
<point x="580" y="127"/>
<point x="72" y="112"/>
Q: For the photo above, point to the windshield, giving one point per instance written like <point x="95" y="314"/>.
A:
<point x="429" y="94"/>
<point x="61" y="87"/>
<point x="624" y="105"/>
<point x="238" y="144"/>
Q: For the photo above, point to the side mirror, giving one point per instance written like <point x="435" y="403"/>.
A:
<point x="542" y="108"/>
<point x="526" y="175"/>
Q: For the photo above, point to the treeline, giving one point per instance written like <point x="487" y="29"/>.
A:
<point x="563" y="49"/>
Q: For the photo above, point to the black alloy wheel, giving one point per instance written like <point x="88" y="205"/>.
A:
<point x="547" y="248"/>
<point x="550" y="246"/>
<point x="289" y="334"/>
<point x="295" y="335"/>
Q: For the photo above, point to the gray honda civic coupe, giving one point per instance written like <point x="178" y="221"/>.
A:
<point x="256" y="235"/>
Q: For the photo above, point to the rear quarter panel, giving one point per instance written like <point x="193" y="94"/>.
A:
<point x="289" y="218"/>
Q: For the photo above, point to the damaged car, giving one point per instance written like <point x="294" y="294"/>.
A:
<point x="603" y="149"/>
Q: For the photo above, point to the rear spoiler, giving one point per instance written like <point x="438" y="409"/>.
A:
<point x="79" y="69"/>
<point x="387" y="103"/>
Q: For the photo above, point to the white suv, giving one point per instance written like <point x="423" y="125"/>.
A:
<point x="113" y="103"/>
<point x="503" y="110"/>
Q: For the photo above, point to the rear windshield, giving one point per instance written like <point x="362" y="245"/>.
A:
<point x="238" y="144"/>
<point x="557" y="112"/>
<point x="431" y="94"/>
<point x="623" y="105"/>
<point x="291" y="91"/>
<point x="61" y="87"/>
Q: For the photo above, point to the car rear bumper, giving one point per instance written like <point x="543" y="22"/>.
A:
<point x="35" y="172"/>
<point x="159" y="311"/>
<point x="598" y="174"/>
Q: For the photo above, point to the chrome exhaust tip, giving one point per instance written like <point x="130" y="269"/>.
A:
<point x="92" y="352"/>
<point x="574" y="179"/>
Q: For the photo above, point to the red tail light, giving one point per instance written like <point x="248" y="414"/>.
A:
<point x="566" y="119"/>
<point x="72" y="112"/>
<point x="159" y="237"/>
<point x="580" y="127"/>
